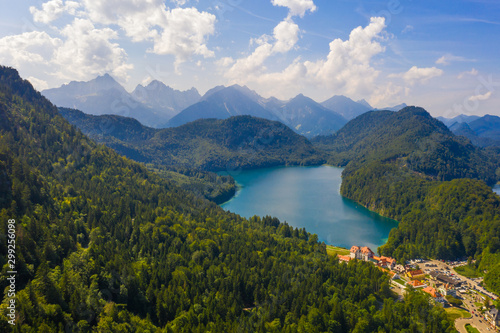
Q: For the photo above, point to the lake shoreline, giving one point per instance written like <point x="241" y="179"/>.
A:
<point x="345" y="217"/>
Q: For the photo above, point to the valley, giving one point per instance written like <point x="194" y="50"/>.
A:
<point x="166" y="198"/>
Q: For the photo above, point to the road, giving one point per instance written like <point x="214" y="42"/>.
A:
<point x="470" y="282"/>
<point x="477" y="320"/>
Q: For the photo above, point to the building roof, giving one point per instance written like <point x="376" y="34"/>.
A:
<point x="495" y="314"/>
<point x="416" y="284"/>
<point x="354" y="248"/>
<point x="431" y="291"/>
<point x="416" y="272"/>
<point x="388" y="259"/>
<point x="444" y="278"/>
<point x="366" y="250"/>
<point x="344" y="258"/>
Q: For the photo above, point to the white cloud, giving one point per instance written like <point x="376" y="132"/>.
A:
<point x="346" y="69"/>
<point x="296" y="7"/>
<point x="179" y="2"/>
<point x="82" y="52"/>
<point x="416" y="74"/>
<point x="181" y="32"/>
<point x="472" y="72"/>
<point x="184" y="34"/>
<point x="287" y="35"/>
<point x="449" y="58"/>
<point x="348" y="65"/>
<point x="89" y="50"/>
<point x="36" y="48"/>
<point x="38" y="84"/>
<point x="52" y="10"/>
<point x="407" y="29"/>
<point x="480" y="97"/>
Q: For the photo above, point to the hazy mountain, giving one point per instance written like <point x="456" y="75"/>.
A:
<point x="103" y="95"/>
<point x="487" y="127"/>
<point x="395" y="108"/>
<point x="345" y="106"/>
<point x="458" y="119"/>
<point x="306" y="116"/>
<point x="365" y="103"/>
<point x="152" y="105"/>
<point x="222" y="103"/>
<point x="482" y="131"/>
<point x="160" y="97"/>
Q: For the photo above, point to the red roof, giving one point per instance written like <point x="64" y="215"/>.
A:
<point x="416" y="283"/>
<point x="366" y="250"/>
<point x="416" y="272"/>
<point x="354" y="248"/>
<point x="431" y="291"/>
<point x="344" y="258"/>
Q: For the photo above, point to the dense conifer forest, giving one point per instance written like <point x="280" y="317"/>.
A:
<point x="410" y="167"/>
<point x="105" y="245"/>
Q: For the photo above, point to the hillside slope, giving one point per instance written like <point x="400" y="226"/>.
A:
<point x="412" y="138"/>
<point x="104" y="245"/>
<point x="241" y="142"/>
<point x="410" y="167"/>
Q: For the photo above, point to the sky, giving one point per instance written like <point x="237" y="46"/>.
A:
<point x="441" y="55"/>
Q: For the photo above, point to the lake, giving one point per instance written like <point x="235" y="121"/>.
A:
<point x="309" y="197"/>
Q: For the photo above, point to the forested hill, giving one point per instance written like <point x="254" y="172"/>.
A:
<point x="412" y="138"/>
<point x="105" y="245"/>
<point x="209" y="144"/>
<point x="410" y="167"/>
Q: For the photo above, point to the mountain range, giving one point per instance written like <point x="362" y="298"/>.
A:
<point x="152" y="105"/>
<point x="159" y="106"/>
<point x="482" y="131"/>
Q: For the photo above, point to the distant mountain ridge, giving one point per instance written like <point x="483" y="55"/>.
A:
<point x="159" y="106"/>
<point x="152" y="105"/>
<point x="302" y="114"/>
<point x="482" y="131"/>
<point x="346" y="107"/>
<point x="222" y="104"/>
<point x="161" y="97"/>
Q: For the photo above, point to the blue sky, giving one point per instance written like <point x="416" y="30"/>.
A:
<point x="442" y="55"/>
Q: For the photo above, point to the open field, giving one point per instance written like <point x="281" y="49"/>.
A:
<point x="401" y="282"/>
<point x="333" y="250"/>
<point x="455" y="313"/>
<point x="467" y="271"/>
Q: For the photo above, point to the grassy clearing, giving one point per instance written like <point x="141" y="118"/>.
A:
<point x="401" y="282"/>
<point x="455" y="313"/>
<point x="333" y="250"/>
<point x="471" y="329"/>
<point x="467" y="271"/>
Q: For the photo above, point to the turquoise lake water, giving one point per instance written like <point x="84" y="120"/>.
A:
<point x="309" y="197"/>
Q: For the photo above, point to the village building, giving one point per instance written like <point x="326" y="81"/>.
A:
<point x="445" y="279"/>
<point x="417" y="284"/>
<point x="493" y="317"/>
<point x="344" y="258"/>
<point x="417" y="274"/>
<point x="388" y="262"/>
<point x="366" y="253"/>
<point x="361" y="253"/>
<point x="434" y="294"/>
<point x="448" y="290"/>
<point x="355" y="252"/>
